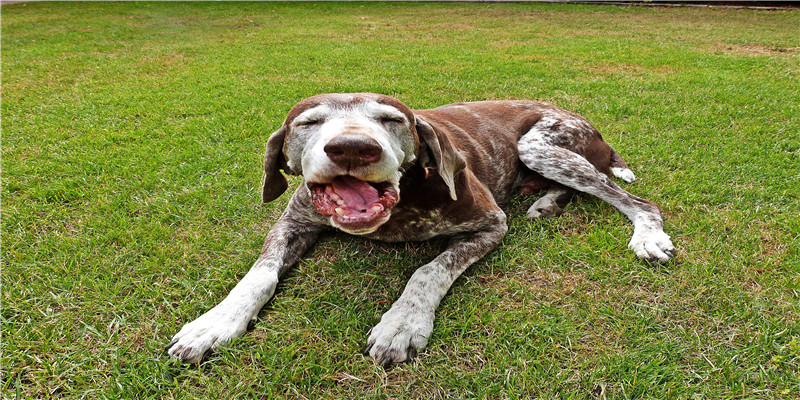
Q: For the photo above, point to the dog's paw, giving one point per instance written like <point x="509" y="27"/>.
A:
<point x="213" y="329"/>
<point x="400" y="334"/>
<point x="545" y="207"/>
<point x="652" y="245"/>
<point x="624" y="173"/>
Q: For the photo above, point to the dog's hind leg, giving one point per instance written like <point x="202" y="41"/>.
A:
<point x="540" y="150"/>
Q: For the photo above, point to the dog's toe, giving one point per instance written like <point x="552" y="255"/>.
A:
<point x="188" y="350"/>
<point x="400" y="334"/>
<point x="654" y="246"/>
<point x="201" y="336"/>
<point x="386" y="356"/>
<point x="624" y="173"/>
<point x="544" y="208"/>
<point x="396" y="350"/>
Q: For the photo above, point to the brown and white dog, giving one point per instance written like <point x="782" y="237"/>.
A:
<point x="373" y="167"/>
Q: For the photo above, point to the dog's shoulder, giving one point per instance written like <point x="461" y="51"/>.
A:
<point x="426" y="209"/>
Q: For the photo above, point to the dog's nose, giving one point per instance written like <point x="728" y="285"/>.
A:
<point x="353" y="150"/>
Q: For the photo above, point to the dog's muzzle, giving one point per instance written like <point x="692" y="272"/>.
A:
<point x="354" y="205"/>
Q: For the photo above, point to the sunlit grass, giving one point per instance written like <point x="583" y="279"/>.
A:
<point x="132" y="141"/>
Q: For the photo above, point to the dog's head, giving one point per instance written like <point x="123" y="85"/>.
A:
<point x="352" y="150"/>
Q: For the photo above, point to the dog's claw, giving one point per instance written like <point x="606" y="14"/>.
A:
<point x="412" y="353"/>
<point x="366" y="350"/>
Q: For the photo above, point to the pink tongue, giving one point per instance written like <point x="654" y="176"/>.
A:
<point x="357" y="194"/>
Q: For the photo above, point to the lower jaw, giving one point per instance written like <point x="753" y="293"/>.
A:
<point x="357" y="223"/>
<point x="360" y="228"/>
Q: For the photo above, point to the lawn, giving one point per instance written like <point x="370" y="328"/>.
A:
<point x="132" y="142"/>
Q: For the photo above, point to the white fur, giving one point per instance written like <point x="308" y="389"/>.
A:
<point x="363" y="119"/>
<point x="229" y="319"/>
<point x="624" y="174"/>
<point x="402" y="328"/>
<point x="651" y="243"/>
<point x="409" y="323"/>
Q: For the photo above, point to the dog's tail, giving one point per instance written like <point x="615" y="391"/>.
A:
<point x="620" y="169"/>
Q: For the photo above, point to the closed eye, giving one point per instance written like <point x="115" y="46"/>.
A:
<point x="389" y="119"/>
<point x="310" y="122"/>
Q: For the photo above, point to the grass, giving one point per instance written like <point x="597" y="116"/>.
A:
<point x="132" y="140"/>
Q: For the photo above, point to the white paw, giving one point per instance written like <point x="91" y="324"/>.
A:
<point x="213" y="329"/>
<point x="545" y="207"/>
<point x="624" y="174"/>
<point x="402" y="331"/>
<point x="652" y="245"/>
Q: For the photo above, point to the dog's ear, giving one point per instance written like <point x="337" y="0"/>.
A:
<point x="274" y="160"/>
<point x="449" y="162"/>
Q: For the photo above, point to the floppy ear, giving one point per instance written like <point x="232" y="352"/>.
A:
<point x="274" y="182"/>
<point x="449" y="161"/>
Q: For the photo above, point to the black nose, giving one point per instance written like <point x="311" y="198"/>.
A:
<point x="353" y="150"/>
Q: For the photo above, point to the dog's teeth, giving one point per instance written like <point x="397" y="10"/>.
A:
<point x="339" y="211"/>
<point x="337" y="199"/>
<point x="377" y="208"/>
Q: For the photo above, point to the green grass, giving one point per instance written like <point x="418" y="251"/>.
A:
<point x="132" y="142"/>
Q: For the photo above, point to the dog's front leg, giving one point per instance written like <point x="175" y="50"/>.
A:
<point x="406" y="327"/>
<point x="285" y="243"/>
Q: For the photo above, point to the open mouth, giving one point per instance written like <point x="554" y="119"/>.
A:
<point x="354" y="204"/>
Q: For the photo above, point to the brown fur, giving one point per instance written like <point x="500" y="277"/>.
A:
<point x="451" y="168"/>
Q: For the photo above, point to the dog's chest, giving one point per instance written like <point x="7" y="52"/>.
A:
<point x="426" y="211"/>
<point x="410" y="224"/>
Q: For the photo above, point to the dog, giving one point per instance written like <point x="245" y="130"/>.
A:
<point x="373" y="167"/>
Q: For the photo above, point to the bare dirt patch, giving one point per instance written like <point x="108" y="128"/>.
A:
<point x="753" y="49"/>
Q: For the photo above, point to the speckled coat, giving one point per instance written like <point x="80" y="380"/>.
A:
<point x="448" y="171"/>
